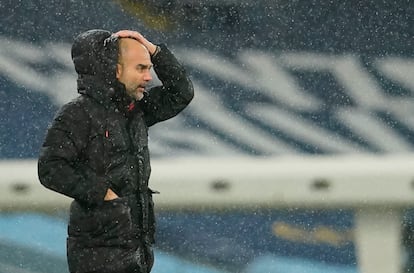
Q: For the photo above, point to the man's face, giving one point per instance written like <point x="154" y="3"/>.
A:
<point x="133" y="68"/>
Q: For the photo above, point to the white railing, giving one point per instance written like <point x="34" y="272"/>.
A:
<point x="377" y="188"/>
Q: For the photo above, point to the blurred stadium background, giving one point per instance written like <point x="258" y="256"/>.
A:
<point x="296" y="154"/>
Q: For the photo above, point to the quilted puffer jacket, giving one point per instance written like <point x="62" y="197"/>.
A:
<point x="99" y="141"/>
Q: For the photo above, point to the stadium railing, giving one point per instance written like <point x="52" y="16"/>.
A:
<point x="377" y="188"/>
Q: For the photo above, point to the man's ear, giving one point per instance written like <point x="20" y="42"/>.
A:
<point x="118" y="71"/>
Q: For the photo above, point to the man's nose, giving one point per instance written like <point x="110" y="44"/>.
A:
<point x="147" y="76"/>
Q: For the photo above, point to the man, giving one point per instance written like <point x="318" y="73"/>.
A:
<point x="96" y="150"/>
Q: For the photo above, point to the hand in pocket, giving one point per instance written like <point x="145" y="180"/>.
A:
<point x="110" y="195"/>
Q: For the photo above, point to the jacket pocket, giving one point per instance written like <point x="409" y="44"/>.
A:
<point x="104" y="225"/>
<point x="114" y="218"/>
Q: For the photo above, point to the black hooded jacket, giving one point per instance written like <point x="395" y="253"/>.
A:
<point x="99" y="141"/>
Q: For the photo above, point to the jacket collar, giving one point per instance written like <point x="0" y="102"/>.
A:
<point x="109" y="95"/>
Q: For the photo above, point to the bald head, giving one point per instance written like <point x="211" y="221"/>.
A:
<point x="133" y="68"/>
<point x="126" y="45"/>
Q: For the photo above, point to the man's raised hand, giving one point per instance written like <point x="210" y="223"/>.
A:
<point x="137" y="36"/>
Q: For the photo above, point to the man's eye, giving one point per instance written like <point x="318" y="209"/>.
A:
<point x="143" y="68"/>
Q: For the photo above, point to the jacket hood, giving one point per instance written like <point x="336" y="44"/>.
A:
<point x="95" y="56"/>
<point x="95" y="53"/>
